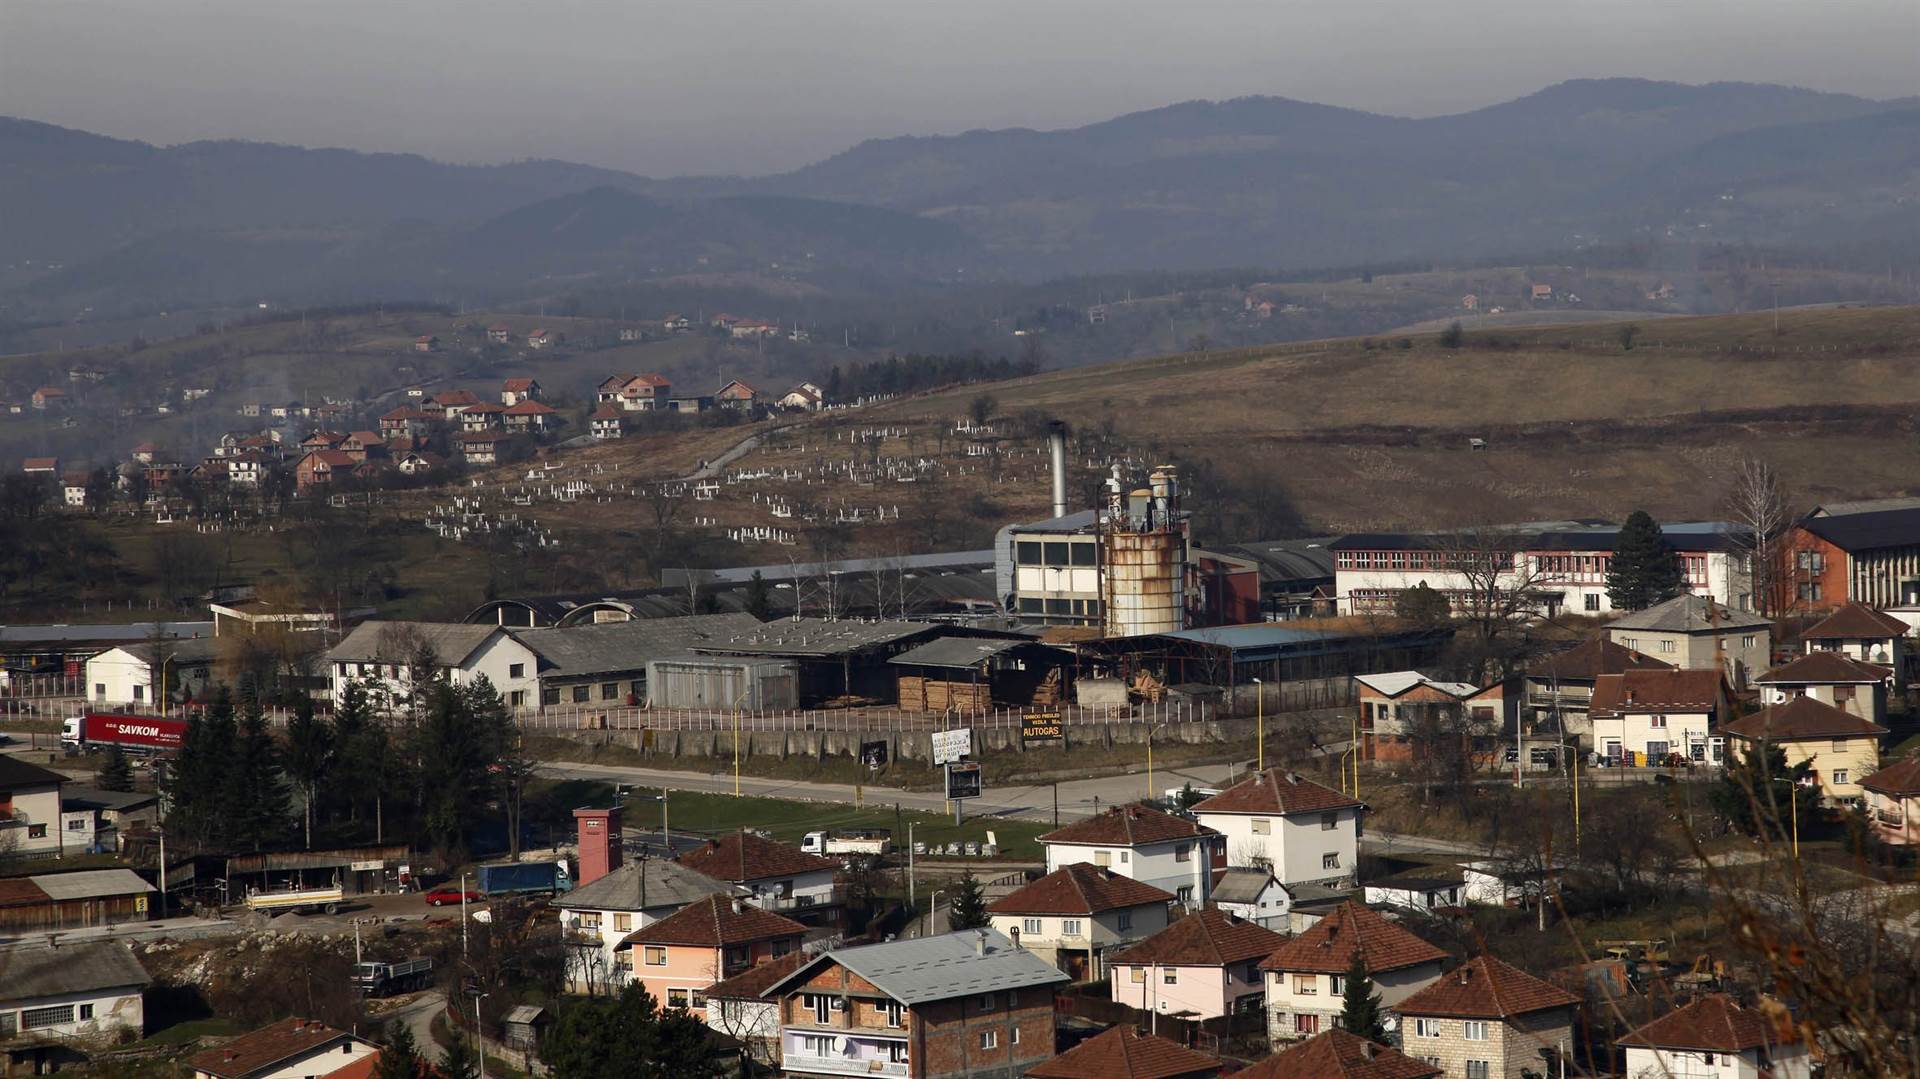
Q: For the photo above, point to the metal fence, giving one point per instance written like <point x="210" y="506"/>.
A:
<point x="891" y="720"/>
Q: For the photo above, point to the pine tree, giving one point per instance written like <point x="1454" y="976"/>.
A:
<point x="1645" y="571"/>
<point x="459" y="1061"/>
<point x="1758" y="791"/>
<point x="1360" y="1007"/>
<point x="256" y="803"/>
<point x="1453" y="336"/>
<point x="116" y="772"/>
<point x="759" y="597"/>
<point x="400" y="1057"/>
<point x="968" y="907"/>
<point x="309" y="758"/>
<point x="198" y="782"/>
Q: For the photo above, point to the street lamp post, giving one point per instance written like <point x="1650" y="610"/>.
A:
<point x="479" y="1035"/>
<point x="910" y="889"/>
<point x="163" y="684"/>
<point x="1260" y="725"/>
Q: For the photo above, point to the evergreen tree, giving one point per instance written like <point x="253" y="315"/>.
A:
<point x="1753" y="792"/>
<point x="116" y="772"/>
<point x="256" y="804"/>
<point x="625" y="1037"/>
<point x="968" y="907"/>
<point x="400" y="1057"/>
<point x="459" y="1060"/>
<point x="759" y="595"/>
<point x="1453" y="336"/>
<point x="1645" y="571"/>
<point x="309" y="758"/>
<point x="198" y="782"/>
<point x="1423" y="605"/>
<point x="1360" y="1007"/>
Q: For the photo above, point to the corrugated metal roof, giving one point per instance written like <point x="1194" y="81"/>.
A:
<point x="131" y="631"/>
<point x="818" y="637"/>
<point x="787" y="571"/>
<point x="91" y="884"/>
<point x="627" y="646"/>
<point x="925" y="969"/>
<point x="1263" y="635"/>
<point x="1554" y="536"/>
<point x="451" y="642"/>
<point x="31" y="972"/>
<point x="190" y="651"/>
<point x="648" y="884"/>
<point x="1288" y="560"/>
<point x="958" y="652"/>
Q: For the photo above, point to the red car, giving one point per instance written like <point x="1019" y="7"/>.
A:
<point x="440" y="897"/>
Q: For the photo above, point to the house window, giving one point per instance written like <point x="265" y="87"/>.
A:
<point x="1809" y="591"/>
<point x="516" y="670"/>
<point x="590" y="920"/>
<point x="677" y="998"/>
<point x="818" y="1045"/>
<point x="1426" y="1028"/>
<point x="1069" y="927"/>
<point x="623" y="923"/>
<point x="821" y="1006"/>
<point x="987" y="1002"/>
<point x="1839" y="776"/>
<point x="1698" y="751"/>
<point x="550" y="696"/>
<point x="896" y="1014"/>
<point x="35" y="1018"/>
<point x="139" y="693"/>
<point x="1125" y="856"/>
<point x="1474" y="1030"/>
<point x="610" y="691"/>
<point x="1183" y="853"/>
<point x="1750" y="641"/>
<point x="1839" y="745"/>
<point x="656" y="956"/>
<point x="989" y="1039"/>
<point x="1184" y="894"/>
<point x="518" y="698"/>
<point x="582" y="694"/>
<point x="1329" y="861"/>
<point x="36" y="831"/>
<point x="1329" y="821"/>
<point x="1667" y="646"/>
<point x="1657" y="722"/>
<point x="896" y="1052"/>
<point x="86" y="1012"/>
<point x="1305" y="1023"/>
<point x="1591" y="601"/>
<point x="1139" y="975"/>
<point x="1102" y="858"/>
<point x="1262" y="826"/>
<point x="1336" y="985"/>
<point x="1125" y="922"/>
<point x="1031" y="926"/>
<point x="1477" y="1069"/>
<point x="78" y="824"/>
<point x="1811" y="560"/>
<point x="1169" y="975"/>
<point x="1306" y="985"/>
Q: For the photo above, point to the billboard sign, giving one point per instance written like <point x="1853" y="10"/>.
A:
<point x="963" y="780"/>
<point x="1042" y="727"/>
<point x="949" y="746"/>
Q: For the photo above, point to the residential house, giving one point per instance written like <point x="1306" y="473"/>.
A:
<point x="736" y="394"/>
<point x="635" y="393"/>
<point x="321" y="439"/>
<point x="1561" y="686"/>
<point x="531" y="416"/>
<point x="1125" y="1053"/>
<point x="73" y="490"/>
<point x="485" y="416"/>
<point x="1859" y="552"/>
<point x="1470" y="302"/>
<point x="741" y="1008"/>
<point x="1139" y="841"/>
<point x="749" y="328"/>
<point x="676" y="324"/>
<point x="1656" y="718"/>
<point x="329" y="413"/>
<point x="132" y="674"/>
<point x="1714" y="1037"/>
<point x="968" y="1004"/>
<point x="426" y="343"/>
<point x="405" y="422"/>
<point x="1336" y="1054"/>
<point x="1253" y="893"/>
<point x="96" y="820"/>
<point x="290" y="1049"/>
<point x="802" y="398"/>
<point x="320" y="468"/>
<point x="1304" y="831"/>
<point x="544" y="338"/>
<point x="364" y="445"/>
<point x="1075" y="915"/>
<point x="1893" y="802"/>
<point x="690" y="404"/>
<point x="499" y="334"/>
<point x="1694" y="633"/>
<point x="1202" y="966"/>
<point x="47" y="397"/>
<point x="1831" y="678"/>
<point x="777" y="876"/>
<point x="632" y="333"/>
<point x="56" y="1002"/>
<point x="145" y="453"/>
<point x="608" y="422"/>
<point x="1540" y="293"/>
<point x="419" y="462"/>
<point x="1860" y="632"/>
<point x="1488" y="1020"/>
<point x="1663" y="291"/>
<point x="720" y="936"/>
<point x="40" y="466"/>
<point x="1424" y="888"/>
<point x="515" y="390"/>
<point x="482" y="447"/>
<point x="247" y="468"/>
<point x="450" y="403"/>
<point x="1306" y="975"/>
<point x="1839" y="747"/>
<point x="1391" y="706"/>
<point x="720" y="320"/>
<point x="29" y="810"/>
<point x="381" y="657"/>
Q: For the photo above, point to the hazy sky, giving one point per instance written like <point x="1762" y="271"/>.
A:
<point x="678" y="86"/>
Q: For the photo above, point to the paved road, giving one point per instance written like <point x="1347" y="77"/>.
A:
<point x="739" y="449"/>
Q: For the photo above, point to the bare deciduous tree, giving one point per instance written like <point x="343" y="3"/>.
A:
<point x="1758" y="505"/>
<point x="1497" y="588"/>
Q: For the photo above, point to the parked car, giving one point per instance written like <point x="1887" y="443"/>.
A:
<point x="440" y="897"/>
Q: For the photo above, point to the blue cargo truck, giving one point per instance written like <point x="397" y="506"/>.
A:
<point x="524" y="878"/>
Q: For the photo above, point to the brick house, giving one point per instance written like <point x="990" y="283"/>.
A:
<point x="1488" y="1020"/>
<point x="320" y="467"/>
<point x="1649" y="718"/>
<point x="1831" y="678"/>
<point x="515" y="390"/>
<point x="1307" y="833"/>
<point x="1074" y="915"/>
<point x="1893" y="802"/>
<point x="720" y="936"/>
<point x="530" y="416"/>
<point x="966" y="1005"/>
<point x="1125" y="1053"/>
<point x="608" y="422"/>
<point x="1713" y="1036"/>
<point x="736" y="394"/>
<point x="776" y="876"/>
<point x="1559" y="689"/>
<point x="1866" y="552"/>
<point x="1336" y="1054"/>
<point x="1144" y="843"/>
<point x="1204" y="965"/>
<point x="450" y="403"/>
<point x="1306" y="975"/>
<point x="1860" y="632"/>
<point x="1390" y="702"/>
<point x="364" y="445"/>
<point x="405" y="422"/>
<point x="1839" y="747"/>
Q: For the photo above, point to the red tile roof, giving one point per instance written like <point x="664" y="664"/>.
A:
<point x="333" y="458"/>
<point x="1127" y="826"/>
<point x="1080" y="888"/>
<point x="1855" y="620"/>
<point x="39" y="464"/>
<point x="1276" y="791"/>
<point x="753" y="983"/>
<point x="1901" y="778"/>
<point x="517" y="385"/>
<point x="607" y="412"/>
<point x="1655" y="691"/>
<point x="1825" y="668"/>
<point x="1210" y="938"/>
<point x="1337" y="1054"/>
<point x="715" y="921"/>
<point x="1486" y="988"/>
<point x="1327" y="946"/>
<point x="21" y="892"/>
<point x="742" y="856"/>
<point x="1594" y="657"/>
<point x="359" y="1069"/>
<point x="483" y="408"/>
<point x="250" y="1053"/>
<point x="1801" y="717"/>
<point x="530" y="407"/>
<point x="1713" y="1023"/>
<point x="454" y="397"/>
<point x="1125" y="1053"/>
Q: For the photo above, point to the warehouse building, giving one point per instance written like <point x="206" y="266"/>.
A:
<point x="73" y="900"/>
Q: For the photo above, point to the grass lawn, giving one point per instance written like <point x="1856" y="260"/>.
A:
<point x="789" y="820"/>
<point x="188" y="1032"/>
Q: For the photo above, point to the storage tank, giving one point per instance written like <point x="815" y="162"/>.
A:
<point x="1144" y="557"/>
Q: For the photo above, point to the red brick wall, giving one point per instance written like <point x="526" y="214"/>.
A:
<point x="946" y="1034"/>
<point x="1832" y="579"/>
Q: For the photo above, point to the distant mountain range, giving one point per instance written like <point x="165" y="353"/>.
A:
<point x="1255" y="181"/>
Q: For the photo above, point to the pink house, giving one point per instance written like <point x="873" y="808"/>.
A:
<point x="1203" y="966"/>
<point x="679" y="956"/>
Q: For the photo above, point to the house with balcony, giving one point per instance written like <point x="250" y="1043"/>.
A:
<point x="58" y="1002"/>
<point x="1489" y="1020"/>
<point x="1075" y="915"/>
<point x="1306" y="832"/>
<point x="711" y="939"/>
<point x="1559" y="688"/>
<point x="775" y="876"/>
<point x="1125" y="1053"/>
<point x="1390" y="703"/>
<point x="1652" y="719"/>
<point x="1695" y="633"/>
<point x="598" y="918"/>
<point x="1839" y="748"/>
<point x="1857" y="631"/>
<point x="1893" y="802"/>
<point x="741" y="1008"/>
<point x="1306" y="975"/>
<point x="608" y="422"/>
<point x="1144" y="843"/>
<point x="971" y="1003"/>
<point x="1336" y="1054"/>
<point x="1830" y="678"/>
<point x="1203" y="966"/>
<point x="1716" y="1037"/>
<point x="531" y="416"/>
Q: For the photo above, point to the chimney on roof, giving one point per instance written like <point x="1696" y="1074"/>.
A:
<point x="739" y="905"/>
<point x="1366" y="1049"/>
<point x="1014" y="933"/>
<point x="979" y="942"/>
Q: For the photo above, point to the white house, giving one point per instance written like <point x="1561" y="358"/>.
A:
<point x="380" y="655"/>
<point x="1074" y="916"/>
<point x="88" y="993"/>
<point x="1304" y="831"/>
<point x="1650" y="718"/>
<point x="597" y="917"/>
<point x="776" y="876"/>
<point x="741" y="1008"/>
<point x="1253" y="893"/>
<point x="1714" y="1038"/>
<point x="30" y="809"/>
<point x="1830" y="678"/>
<point x="1306" y="975"/>
<point x="132" y="673"/>
<point x="1860" y="632"/>
<point x="1138" y="841"/>
<point x="290" y="1049"/>
<point x="1422" y="888"/>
